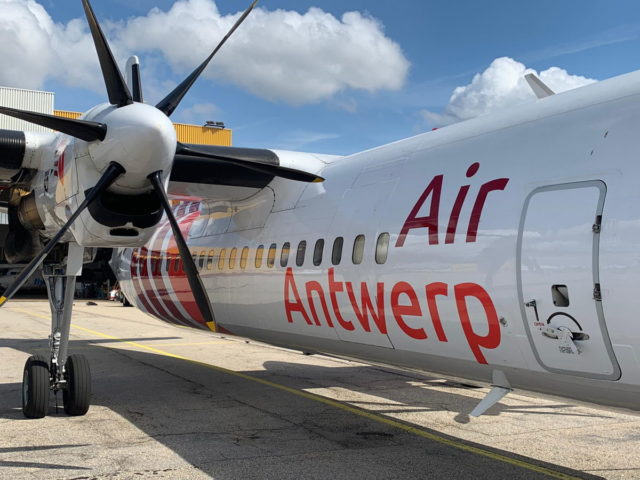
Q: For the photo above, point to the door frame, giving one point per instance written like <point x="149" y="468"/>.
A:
<point x="602" y="187"/>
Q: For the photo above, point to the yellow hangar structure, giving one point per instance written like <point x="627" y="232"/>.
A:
<point x="210" y="133"/>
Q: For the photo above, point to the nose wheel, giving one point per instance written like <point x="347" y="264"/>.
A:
<point x="35" y="387"/>
<point x="60" y="371"/>
<point x="76" y="395"/>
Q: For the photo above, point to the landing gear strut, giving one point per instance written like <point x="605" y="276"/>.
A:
<point x="60" y="372"/>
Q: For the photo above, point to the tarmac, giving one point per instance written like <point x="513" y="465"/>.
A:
<point x="176" y="403"/>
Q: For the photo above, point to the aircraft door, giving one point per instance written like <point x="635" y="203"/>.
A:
<point x="558" y="280"/>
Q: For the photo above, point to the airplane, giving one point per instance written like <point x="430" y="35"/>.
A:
<point x="502" y="249"/>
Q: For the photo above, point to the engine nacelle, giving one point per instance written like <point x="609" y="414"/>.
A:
<point x="22" y="150"/>
<point x="142" y="140"/>
<point x="22" y="243"/>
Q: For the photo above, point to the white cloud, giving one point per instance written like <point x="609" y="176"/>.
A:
<point x="501" y="85"/>
<point x="298" y="139"/>
<point x="35" y="48"/>
<point x="279" y="55"/>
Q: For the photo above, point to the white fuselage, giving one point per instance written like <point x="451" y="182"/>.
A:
<point x="539" y="203"/>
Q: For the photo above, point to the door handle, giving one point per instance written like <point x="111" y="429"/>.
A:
<point x="566" y="337"/>
<point x="533" y="304"/>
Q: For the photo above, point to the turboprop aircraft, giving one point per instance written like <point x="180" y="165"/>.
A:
<point x="501" y="249"/>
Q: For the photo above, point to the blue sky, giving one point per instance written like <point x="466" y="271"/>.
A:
<point x="445" y="43"/>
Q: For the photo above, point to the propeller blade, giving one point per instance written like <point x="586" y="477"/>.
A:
<point x="117" y="89"/>
<point x="197" y="288"/>
<point x="171" y="101"/>
<point x="82" y="129"/>
<point x="274" y="170"/>
<point x="136" y="83"/>
<point x="112" y="172"/>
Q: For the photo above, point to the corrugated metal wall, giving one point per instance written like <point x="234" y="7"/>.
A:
<point x="186" y="133"/>
<point x="203" y="135"/>
<point x="32" y="100"/>
<point x="66" y="114"/>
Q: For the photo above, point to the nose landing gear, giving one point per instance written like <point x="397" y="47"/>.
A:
<point x="60" y="372"/>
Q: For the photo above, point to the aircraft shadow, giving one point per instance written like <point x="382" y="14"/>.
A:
<point x="230" y="427"/>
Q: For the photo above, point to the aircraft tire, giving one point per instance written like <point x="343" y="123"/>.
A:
<point x="76" y="397"/>
<point x="35" y="387"/>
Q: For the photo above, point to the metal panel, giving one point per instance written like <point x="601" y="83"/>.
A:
<point x="67" y="114"/>
<point x="203" y="135"/>
<point x="32" y="100"/>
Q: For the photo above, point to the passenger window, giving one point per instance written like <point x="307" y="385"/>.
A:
<point x="259" y="254"/>
<point x="317" y="252"/>
<point x="203" y="257"/>
<point x="358" y="250"/>
<point x="223" y="253"/>
<point x="284" y="254"/>
<point x="244" y="256"/>
<point x="382" y="248"/>
<point x="336" y="253"/>
<point x="271" y="256"/>
<point x="176" y="265"/>
<point x="212" y="254"/>
<point x="302" y="248"/>
<point x="232" y="258"/>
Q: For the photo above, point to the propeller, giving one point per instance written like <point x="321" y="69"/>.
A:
<point x="195" y="282"/>
<point x="274" y="170"/>
<point x="82" y="129"/>
<point x="113" y="171"/>
<point x="136" y="83"/>
<point x="171" y="101"/>
<point x="120" y="96"/>
<point x="117" y="89"/>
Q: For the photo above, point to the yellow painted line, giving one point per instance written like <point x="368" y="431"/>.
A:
<point x="185" y="344"/>
<point x="342" y="406"/>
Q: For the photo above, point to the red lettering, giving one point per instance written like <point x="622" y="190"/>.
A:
<point x="455" y="214"/>
<point x="317" y="288"/>
<point x="476" y="213"/>
<point x="434" y="189"/>
<point x="492" y="339"/>
<point x="401" y="310"/>
<point x="457" y="206"/>
<point x="335" y="287"/>
<point x="295" y="306"/>
<point x="367" y="307"/>
<point x="434" y="289"/>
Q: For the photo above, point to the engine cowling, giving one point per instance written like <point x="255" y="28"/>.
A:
<point x="20" y="150"/>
